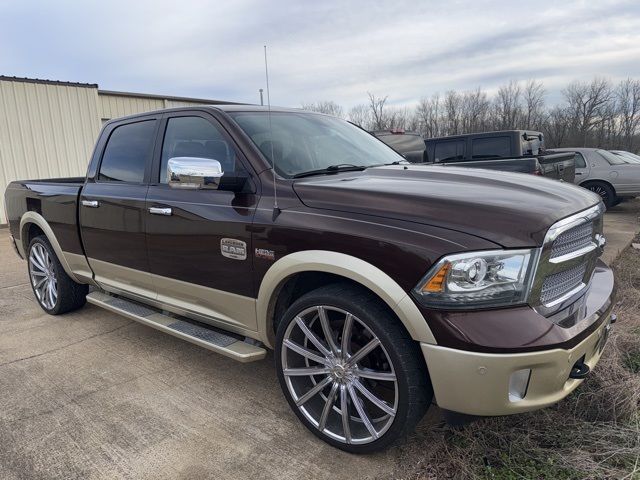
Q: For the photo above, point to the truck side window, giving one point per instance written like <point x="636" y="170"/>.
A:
<point x="196" y="137"/>
<point x="127" y="152"/>
<point x="580" y="162"/>
<point x="448" y="150"/>
<point x="490" y="147"/>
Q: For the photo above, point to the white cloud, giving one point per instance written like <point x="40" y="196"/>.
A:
<point x="334" y="50"/>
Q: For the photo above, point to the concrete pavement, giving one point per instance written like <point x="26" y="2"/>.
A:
<point x="93" y="395"/>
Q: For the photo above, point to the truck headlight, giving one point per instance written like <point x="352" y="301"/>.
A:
<point x="478" y="279"/>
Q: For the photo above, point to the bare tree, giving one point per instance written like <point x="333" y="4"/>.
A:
<point x="557" y="127"/>
<point x="376" y="106"/>
<point x="474" y="108"/>
<point x="428" y="114"/>
<point x="507" y="107"/>
<point x="361" y="116"/>
<point x="587" y="103"/>
<point x="328" y="106"/>
<point x="534" y="94"/>
<point x="452" y="120"/>
<point x="628" y="102"/>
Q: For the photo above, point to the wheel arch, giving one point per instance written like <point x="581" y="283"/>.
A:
<point x="598" y="180"/>
<point x="339" y="266"/>
<point x="28" y="220"/>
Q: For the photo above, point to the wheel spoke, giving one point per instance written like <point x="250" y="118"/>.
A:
<point x="317" y="388"/>
<point x="344" y="410"/>
<point x="364" y="351"/>
<point x="305" y="352"/>
<point x="346" y="334"/>
<point x="52" y="302"/>
<point x="326" y="329"/>
<point x="312" y="336"/>
<point x="328" y="406"/>
<point x="303" y="372"/>
<point x="382" y="405"/>
<point x="38" y="274"/>
<point x="38" y="251"/>
<point x="361" y="413"/>
<point x="35" y="261"/>
<point x="375" y="375"/>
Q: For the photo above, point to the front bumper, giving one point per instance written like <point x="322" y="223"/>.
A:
<point x="477" y="383"/>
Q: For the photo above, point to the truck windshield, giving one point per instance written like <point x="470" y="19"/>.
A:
<point x="303" y="142"/>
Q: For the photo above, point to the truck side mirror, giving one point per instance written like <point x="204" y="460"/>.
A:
<point x="194" y="173"/>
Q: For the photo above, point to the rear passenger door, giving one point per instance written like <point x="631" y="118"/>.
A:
<point x="582" y="168"/>
<point x="189" y="242"/>
<point x="112" y="207"/>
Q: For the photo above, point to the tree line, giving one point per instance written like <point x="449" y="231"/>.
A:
<point x="598" y="113"/>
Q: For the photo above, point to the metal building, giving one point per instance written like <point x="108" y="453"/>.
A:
<point x="48" y="128"/>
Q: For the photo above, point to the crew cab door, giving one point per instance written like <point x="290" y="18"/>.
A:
<point x="112" y="207"/>
<point x="199" y="241"/>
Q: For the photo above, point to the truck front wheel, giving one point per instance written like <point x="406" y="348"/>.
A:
<point x="55" y="291"/>
<point x="349" y="369"/>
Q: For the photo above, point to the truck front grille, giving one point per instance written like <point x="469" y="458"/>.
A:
<point x="567" y="260"/>
<point x="573" y="240"/>
<point x="555" y="286"/>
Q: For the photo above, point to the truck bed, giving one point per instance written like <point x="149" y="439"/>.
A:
<point x="55" y="199"/>
<point x="557" y="166"/>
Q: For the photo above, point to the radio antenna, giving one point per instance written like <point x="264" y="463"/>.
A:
<point x="276" y="209"/>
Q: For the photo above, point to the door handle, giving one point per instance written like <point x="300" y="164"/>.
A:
<point x="90" y="203"/>
<point x="160" y="211"/>
<point x="578" y="173"/>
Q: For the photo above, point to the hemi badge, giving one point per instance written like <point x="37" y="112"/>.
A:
<point x="266" y="254"/>
<point x="232" y="248"/>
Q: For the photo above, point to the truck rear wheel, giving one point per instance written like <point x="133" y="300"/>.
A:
<point x="349" y="370"/>
<point x="55" y="291"/>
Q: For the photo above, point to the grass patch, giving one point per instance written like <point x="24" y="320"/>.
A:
<point x="632" y="362"/>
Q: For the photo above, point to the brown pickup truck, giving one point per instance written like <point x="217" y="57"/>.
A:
<point x="381" y="285"/>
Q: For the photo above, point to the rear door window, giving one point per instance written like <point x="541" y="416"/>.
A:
<point x="488" y="147"/>
<point x="580" y="162"/>
<point x="128" y="152"/>
<point x="448" y="150"/>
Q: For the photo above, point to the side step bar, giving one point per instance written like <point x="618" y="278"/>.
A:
<point x="210" y="338"/>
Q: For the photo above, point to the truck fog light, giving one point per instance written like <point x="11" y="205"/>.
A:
<point x="518" y="384"/>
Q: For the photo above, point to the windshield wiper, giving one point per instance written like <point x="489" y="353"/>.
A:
<point x="342" y="167"/>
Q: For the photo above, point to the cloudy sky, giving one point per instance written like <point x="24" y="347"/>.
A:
<point x="319" y="50"/>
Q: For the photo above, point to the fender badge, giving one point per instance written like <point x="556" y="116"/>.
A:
<point x="266" y="254"/>
<point x="232" y="248"/>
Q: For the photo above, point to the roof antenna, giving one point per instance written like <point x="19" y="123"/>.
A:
<point x="276" y="209"/>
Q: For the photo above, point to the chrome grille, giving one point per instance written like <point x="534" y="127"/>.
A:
<point x="566" y="262"/>
<point x="558" y="284"/>
<point x="573" y="240"/>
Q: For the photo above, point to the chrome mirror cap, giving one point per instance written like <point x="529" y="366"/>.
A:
<point x="194" y="173"/>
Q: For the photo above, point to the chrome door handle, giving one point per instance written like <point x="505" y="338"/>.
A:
<point x="160" y="211"/>
<point x="90" y="203"/>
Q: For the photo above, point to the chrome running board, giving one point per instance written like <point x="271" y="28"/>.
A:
<point x="208" y="337"/>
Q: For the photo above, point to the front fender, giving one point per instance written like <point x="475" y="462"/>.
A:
<point x="345" y="266"/>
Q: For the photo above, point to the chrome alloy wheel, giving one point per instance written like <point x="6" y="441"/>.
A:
<point x="43" y="276"/>
<point x="339" y="375"/>
<point x="600" y="191"/>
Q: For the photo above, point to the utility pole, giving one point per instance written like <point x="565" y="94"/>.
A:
<point x="261" y="99"/>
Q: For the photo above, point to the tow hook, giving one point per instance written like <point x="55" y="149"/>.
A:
<point x="579" y="370"/>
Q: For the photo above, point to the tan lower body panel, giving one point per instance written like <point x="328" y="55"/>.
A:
<point x="226" y="310"/>
<point x="478" y="383"/>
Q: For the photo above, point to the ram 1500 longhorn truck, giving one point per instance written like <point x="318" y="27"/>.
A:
<point x="381" y="285"/>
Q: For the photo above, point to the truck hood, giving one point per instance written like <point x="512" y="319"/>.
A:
<point x="510" y="209"/>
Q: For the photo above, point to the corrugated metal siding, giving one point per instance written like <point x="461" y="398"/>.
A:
<point x="180" y="103"/>
<point x="114" y="106"/>
<point x="45" y="131"/>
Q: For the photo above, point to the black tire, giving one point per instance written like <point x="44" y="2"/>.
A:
<point x="70" y="295"/>
<point x="413" y="391"/>
<point x="605" y="191"/>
